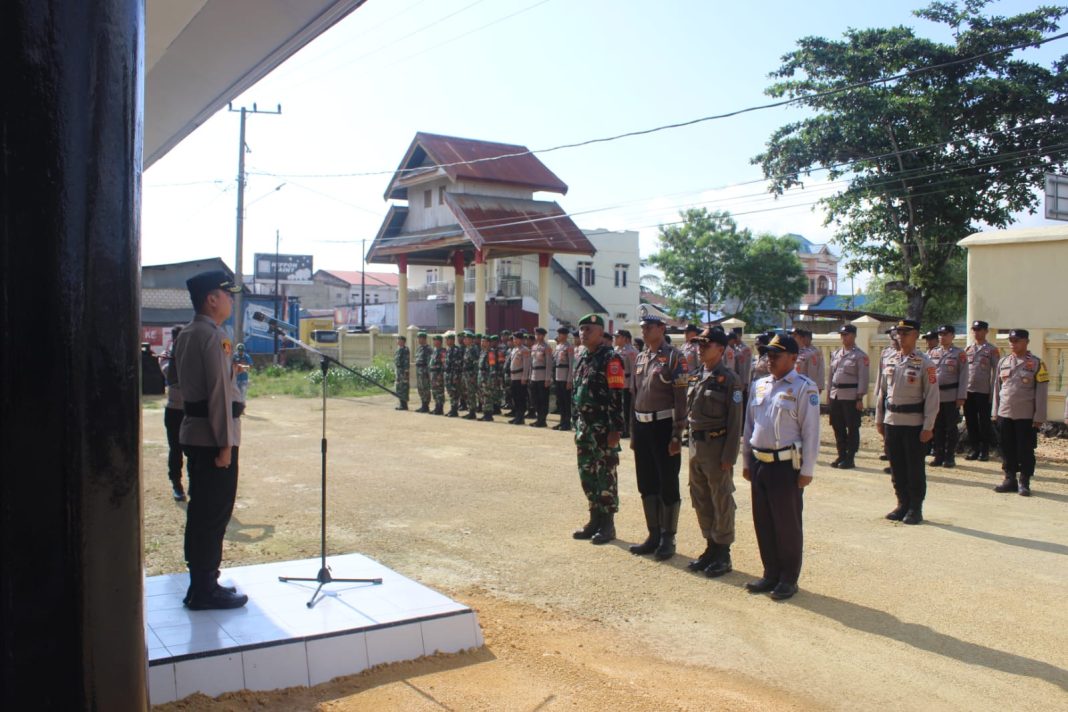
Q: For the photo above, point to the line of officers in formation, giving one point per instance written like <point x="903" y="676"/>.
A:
<point x="713" y="395"/>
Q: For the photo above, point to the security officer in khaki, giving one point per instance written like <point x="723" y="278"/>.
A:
<point x="714" y="419"/>
<point x="847" y="384"/>
<point x="905" y="412"/>
<point x="951" y="365"/>
<point x="658" y="392"/>
<point x="983" y="358"/>
<point x="1020" y="405"/>
<point x="210" y="435"/>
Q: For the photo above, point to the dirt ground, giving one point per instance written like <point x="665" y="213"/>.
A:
<point x="965" y="612"/>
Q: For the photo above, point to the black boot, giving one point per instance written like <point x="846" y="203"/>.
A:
<point x="439" y="409"/>
<point x="914" y="515"/>
<point x="722" y="563"/>
<point x="607" y="531"/>
<point x="1007" y="485"/>
<point x="403" y="406"/>
<point x="1025" y="486"/>
<point x="471" y="415"/>
<point x="487" y="417"/>
<point x="669" y="524"/>
<point x="590" y="528"/>
<point x="701" y="562"/>
<point x="454" y="412"/>
<point x="651" y="509"/>
<point x="897" y="514"/>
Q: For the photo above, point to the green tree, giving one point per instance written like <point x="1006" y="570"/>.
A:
<point x="948" y="306"/>
<point x="769" y="280"/>
<point x="930" y="157"/>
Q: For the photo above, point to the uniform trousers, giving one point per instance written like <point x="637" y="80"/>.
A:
<point x="540" y="390"/>
<point x="628" y="408"/>
<point x="1018" y="442"/>
<point x="658" y="472"/>
<point x="519" y="398"/>
<point x="845" y="419"/>
<point x="172" y="422"/>
<point x="563" y="403"/>
<point x="977" y="418"/>
<point x="777" y="505"/>
<point x="212" y="491"/>
<point x="712" y="490"/>
<point x="946" y="434"/>
<point x="907" y="467"/>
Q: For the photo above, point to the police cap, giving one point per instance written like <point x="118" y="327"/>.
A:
<point x="780" y="344"/>
<point x="540" y="330"/>
<point x="906" y="324"/>
<point x="200" y="285"/>
<point x="1019" y="334"/>
<point x="652" y="320"/>
<point x="947" y="329"/>
<point x="712" y="336"/>
<point x="979" y="324"/>
<point x="849" y="329"/>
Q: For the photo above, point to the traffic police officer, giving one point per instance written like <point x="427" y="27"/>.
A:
<point x="983" y="359"/>
<point x="714" y="420"/>
<point x="951" y="365"/>
<point x="659" y="396"/>
<point x="1020" y="405"/>
<point x="780" y="444"/>
<point x="847" y="384"/>
<point x="905" y="412"/>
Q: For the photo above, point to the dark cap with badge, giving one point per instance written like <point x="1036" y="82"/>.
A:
<point x="848" y="329"/>
<point x="799" y="331"/>
<point x="593" y="320"/>
<point x="624" y="333"/>
<point x="540" y="330"/>
<point x="202" y="284"/>
<point x="780" y="345"/>
<point x="563" y="330"/>
<point x="712" y="336"/>
<point x="691" y="327"/>
<point x="1019" y="334"/>
<point x="907" y="324"/>
<point x="979" y="324"/>
<point x="947" y="329"/>
<point x="930" y="335"/>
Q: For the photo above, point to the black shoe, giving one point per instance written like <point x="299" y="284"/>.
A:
<point x="539" y="424"/>
<point x="761" y="585"/>
<point x="973" y="455"/>
<point x="721" y="566"/>
<point x="949" y="463"/>
<point x="784" y="591"/>
<point x="423" y="408"/>
<point x="559" y="427"/>
<point x="497" y="410"/>
<point x="836" y="461"/>
<point x="666" y="548"/>
<point x="454" y="413"/>
<point x="402" y="406"/>
<point x="177" y="492"/>
<point x="913" y="516"/>
<point x="566" y="428"/>
<point x="589" y="528"/>
<point x="1025" y="487"/>
<point x="899" y="513"/>
<point x="471" y="416"/>
<point x="937" y="462"/>
<point x="984" y="456"/>
<point x="607" y="531"/>
<point x="847" y="464"/>
<point x="884" y="457"/>
<point x="487" y="418"/>
<point x="702" y="562"/>
<point x="517" y="421"/>
<point x="888" y="470"/>
<point x="217" y="598"/>
<point x="1008" y="484"/>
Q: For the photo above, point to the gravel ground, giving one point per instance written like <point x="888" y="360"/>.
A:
<point x="964" y="612"/>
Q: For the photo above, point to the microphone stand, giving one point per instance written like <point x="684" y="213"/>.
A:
<point x="324" y="576"/>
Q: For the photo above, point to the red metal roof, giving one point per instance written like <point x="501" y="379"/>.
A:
<point x="510" y="226"/>
<point x="430" y="150"/>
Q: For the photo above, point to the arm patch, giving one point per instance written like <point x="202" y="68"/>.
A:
<point x="615" y="375"/>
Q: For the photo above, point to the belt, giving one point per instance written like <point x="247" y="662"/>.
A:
<point x="948" y="386"/>
<point x="199" y="409"/>
<point x="538" y="368"/>
<point x="772" y="455"/>
<point x="909" y="408"/>
<point x="517" y="370"/>
<point x="843" y="385"/>
<point x="702" y="435"/>
<point x="653" y="417"/>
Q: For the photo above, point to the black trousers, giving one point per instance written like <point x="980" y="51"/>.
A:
<point x="1018" y="442"/>
<point x="658" y="472"/>
<point x="541" y="400"/>
<point x="946" y="434"/>
<point x="519" y="398"/>
<point x="563" y="403"/>
<point x="908" y="470"/>
<point x="628" y="407"/>
<point x="777" y="505"/>
<point x="845" y="419"/>
<point x="172" y="422"/>
<point x="977" y="418"/>
<point x="212" y="491"/>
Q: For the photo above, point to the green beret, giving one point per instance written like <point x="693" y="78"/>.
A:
<point x="494" y="338"/>
<point x="421" y="335"/>
<point x="595" y="319"/>
<point x="478" y="335"/>
<point x="437" y="337"/>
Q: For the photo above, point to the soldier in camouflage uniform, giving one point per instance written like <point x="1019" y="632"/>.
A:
<point x="453" y="373"/>
<point x="498" y="373"/>
<point x="487" y="364"/>
<point x="597" y="407"/>
<point x="401" y="365"/>
<point x="506" y="358"/>
<point x="471" y="356"/>
<point x="422" y="371"/>
<point x="437" y="376"/>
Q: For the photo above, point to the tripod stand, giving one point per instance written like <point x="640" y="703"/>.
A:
<point x="324" y="577"/>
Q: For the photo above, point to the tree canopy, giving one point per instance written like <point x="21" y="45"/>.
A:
<point x="960" y="141"/>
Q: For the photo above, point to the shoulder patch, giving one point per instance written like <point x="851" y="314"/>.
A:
<point x="932" y="374"/>
<point x="614" y="373"/>
<point x="814" y="399"/>
<point x="737" y="397"/>
<point x="1042" y="376"/>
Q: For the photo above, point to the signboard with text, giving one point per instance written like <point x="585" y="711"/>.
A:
<point x="290" y="269"/>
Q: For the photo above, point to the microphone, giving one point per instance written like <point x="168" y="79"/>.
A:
<point x="272" y="323"/>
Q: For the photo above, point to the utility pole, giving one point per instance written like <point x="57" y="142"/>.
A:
<point x="363" y="287"/>
<point x="239" y="279"/>
<point x="277" y="315"/>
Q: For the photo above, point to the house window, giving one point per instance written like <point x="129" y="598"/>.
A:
<point x="621" y="275"/>
<point x="441" y="195"/>
<point x="427" y="198"/>
<point x="432" y="275"/>
<point x="504" y="268"/>
<point x="586" y="274"/>
<point x="822" y="286"/>
<point x="811" y="286"/>
<point x="375" y="297"/>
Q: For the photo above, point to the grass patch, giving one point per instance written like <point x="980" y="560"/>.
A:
<point x="306" y="381"/>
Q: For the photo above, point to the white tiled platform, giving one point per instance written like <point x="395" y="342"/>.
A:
<point x="276" y="641"/>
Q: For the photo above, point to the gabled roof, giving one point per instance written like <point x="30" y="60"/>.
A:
<point x="484" y="161"/>
<point x="510" y="226"/>
<point x="806" y="246"/>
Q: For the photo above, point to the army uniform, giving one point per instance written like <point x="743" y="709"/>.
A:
<point x="541" y="378"/>
<point x="438" y="356"/>
<point x="518" y="373"/>
<point x="471" y="356"/>
<point x="173" y="413"/>
<point x="423" y="352"/>
<point x="906" y="406"/>
<point x="714" y="420"/>
<point x="499" y="375"/>
<point x="847" y="384"/>
<point x="982" y="379"/>
<point x="454" y="369"/>
<point x="487" y="367"/>
<point x="563" y="365"/>
<point x="1020" y="406"/>
<point x="597" y="404"/>
<point x="629" y="355"/>
<point x="951" y="366"/>
<point x="402" y="366"/>
<point x="658" y="392"/>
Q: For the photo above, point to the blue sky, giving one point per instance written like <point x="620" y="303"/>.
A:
<point x="534" y="72"/>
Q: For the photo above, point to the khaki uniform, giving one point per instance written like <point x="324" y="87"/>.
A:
<point x="563" y="366"/>
<point x="810" y="363"/>
<point x="951" y="366"/>
<point x="982" y="376"/>
<point x="847" y="383"/>
<point x="203" y="353"/>
<point x="541" y="379"/>
<point x="692" y="353"/>
<point x="629" y="354"/>
<point x="741" y="362"/>
<point x="1020" y="403"/>
<point x="658" y="392"/>
<point x="518" y="375"/>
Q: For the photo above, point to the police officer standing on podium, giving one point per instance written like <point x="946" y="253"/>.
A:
<point x="905" y="412"/>
<point x="210" y="435"/>
<point x="779" y="448"/>
<point x="658" y="390"/>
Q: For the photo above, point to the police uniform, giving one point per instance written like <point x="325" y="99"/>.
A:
<point x="983" y="360"/>
<point x="780" y="445"/>
<point x="847" y="384"/>
<point x="598" y="408"/>
<point x="436" y="369"/>
<point x="541" y="378"/>
<point x="423" y="353"/>
<point x="1020" y="406"/>
<point x="809" y="360"/>
<point x="906" y="407"/>
<point x="518" y="373"/>
<point x="886" y="353"/>
<point x="173" y="413"/>
<point x="658" y="393"/>
<point x="211" y="425"/>
<point x="714" y="420"/>
<point x="629" y="354"/>
<point x="401" y="369"/>
<point x="563" y="365"/>
<point x="690" y="350"/>
<point x="951" y="366"/>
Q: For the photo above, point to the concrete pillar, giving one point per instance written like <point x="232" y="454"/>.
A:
<point x="480" y="292"/>
<point x="71" y="613"/>
<point x="458" y="296"/>
<point x="402" y="293"/>
<point x="867" y="328"/>
<point x="543" y="289"/>
<point x="372" y="335"/>
<point x="412" y="331"/>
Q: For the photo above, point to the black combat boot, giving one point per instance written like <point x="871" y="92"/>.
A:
<point x="897" y="514"/>
<point x="424" y="408"/>
<point x="914" y="515"/>
<point x="439" y="409"/>
<point x="471" y="415"/>
<point x="487" y="417"/>
<point x="669" y="524"/>
<point x="707" y="557"/>
<point x="1008" y="484"/>
<point x="651" y="509"/>
<point x="454" y="412"/>
<point x="722" y="563"/>
<point x="607" y="531"/>
<point x="1025" y="486"/>
<point x="589" y="528"/>
<point x="403" y="406"/>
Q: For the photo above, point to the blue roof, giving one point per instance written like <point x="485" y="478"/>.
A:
<point x="840" y="302"/>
